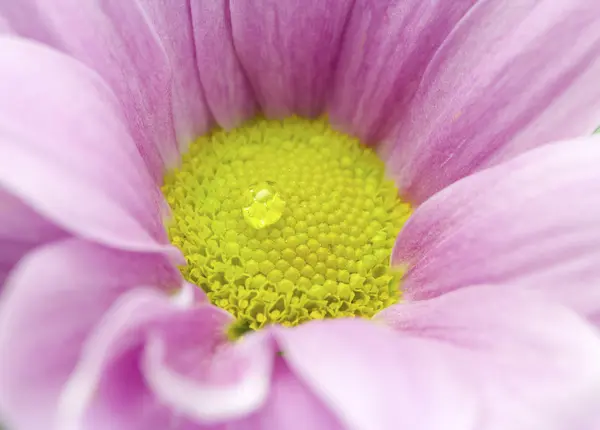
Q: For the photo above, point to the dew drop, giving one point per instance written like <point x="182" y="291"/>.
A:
<point x="264" y="205"/>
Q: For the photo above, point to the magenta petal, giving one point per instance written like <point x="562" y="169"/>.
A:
<point x="227" y="91"/>
<point x="289" y="49"/>
<point x="531" y="222"/>
<point x="115" y="39"/>
<point x="52" y="300"/>
<point x="507" y="79"/>
<point x="386" y="48"/>
<point x="66" y="153"/>
<point x="173" y="23"/>
<point x="532" y="363"/>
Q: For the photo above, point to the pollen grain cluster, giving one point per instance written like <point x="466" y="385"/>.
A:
<point x="286" y="221"/>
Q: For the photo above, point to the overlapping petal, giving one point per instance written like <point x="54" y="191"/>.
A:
<point x="181" y="358"/>
<point x="172" y="20"/>
<point x="479" y="358"/>
<point x="387" y="46"/>
<point x="53" y="298"/>
<point x="77" y="166"/>
<point x="288" y="49"/>
<point x="21" y="230"/>
<point x="228" y="92"/>
<point x="291" y="405"/>
<point x="508" y="78"/>
<point x="530" y="222"/>
<point x="115" y="39"/>
<point x="532" y="363"/>
<point x="372" y="378"/>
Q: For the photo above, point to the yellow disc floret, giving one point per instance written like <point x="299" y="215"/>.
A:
<point x="286" y="221"/>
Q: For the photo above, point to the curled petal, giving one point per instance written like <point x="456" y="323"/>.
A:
<point x="290" y="405"/>
<point x="53" y="299"/>
<point x="178" y="364"/>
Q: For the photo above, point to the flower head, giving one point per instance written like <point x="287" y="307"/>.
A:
<point x="185" y="240"/>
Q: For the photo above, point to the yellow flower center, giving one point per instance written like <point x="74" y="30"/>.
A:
<point x="286" y="221"/>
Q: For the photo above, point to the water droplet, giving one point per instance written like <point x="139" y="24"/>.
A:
<point x="264" y="205"/>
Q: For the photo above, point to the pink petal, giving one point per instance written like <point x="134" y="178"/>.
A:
<point x="52" y="300"/>
<point x="21" y="230"/>
<point x="478" y="359"/>
<point x="507" y="79"/>
<point x="114" y="38"/>
<point x="107" y="388"/>
<point x="386" y="48"/>
<point x="534" y="364"/>
<point x="372" y="378"/>
<point x="172" y="21"/>
<point x="290" y="406"/>
<point x="227" y="91"/>
<point x="5" y="27"/>
<point x="149" y="351"/>
<point x="77" y="165"/>
<point x="24" y="18"/>
<point x="191" y="368"/>
<point x="289" y="49"/>
<point x="531" y="222"/>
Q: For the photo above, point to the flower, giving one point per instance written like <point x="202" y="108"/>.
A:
<point x="463" y="100"/>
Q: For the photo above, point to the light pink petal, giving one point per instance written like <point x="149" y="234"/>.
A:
<point x="478" y="359"/>
<point x="66" y="153"/>
<point x="290" y="406"/>
<point x="107" y="388"/>
<point x="289" y="49"/>
<point x="21" y="230"/>
<point x="173" y="356"/>
<point x="386" y="48"/>
<point x="531" y="222"/>
<point x="24" y="18"/>
<point x="191" y="367"/>
<point x="173" y="22"/>
<point x="114" y="38"/>
<point x="52" y="300"/>
<point x="534" y="364"/>
<point x="5" y="27"/>
<point x="226" y="87"/>
<point x="508" y="78"/>
<point x="373" y="378"/>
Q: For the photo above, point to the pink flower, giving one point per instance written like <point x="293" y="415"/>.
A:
<point x="99" y="331"/>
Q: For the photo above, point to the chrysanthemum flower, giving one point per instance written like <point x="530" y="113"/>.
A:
<point x="137" y="136"/>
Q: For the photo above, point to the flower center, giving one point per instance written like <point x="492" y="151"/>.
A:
<point x="286" y="221"/>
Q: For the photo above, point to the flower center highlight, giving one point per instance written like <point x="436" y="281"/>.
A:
<point x="286" y="221"/>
